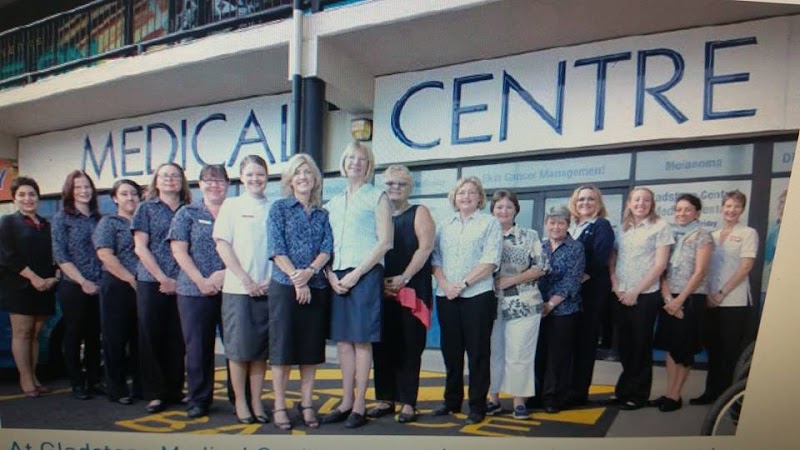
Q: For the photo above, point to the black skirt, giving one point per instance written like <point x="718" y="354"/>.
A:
<point x="297" y="332"/>
<point x="680" y="337"/>
<point x="29" y="302"/>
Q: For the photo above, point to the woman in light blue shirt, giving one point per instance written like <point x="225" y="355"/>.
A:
<point x="467" y="251"/>
<point x="361" y="220"/>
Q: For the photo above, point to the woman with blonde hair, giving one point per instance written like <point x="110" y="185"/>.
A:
<point x="361" y="220"/>
<point x="640" y="257"/>
<point x="591" y="228"/>
<point x="467" y="251"/>
<point x="300" y="244"/>
<point x="407" y="300"/>
<point x="240" y="232"/>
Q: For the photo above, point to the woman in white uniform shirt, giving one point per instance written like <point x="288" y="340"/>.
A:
<point x="240" y="232"/>
<point x="641" y="255"/>
<point x="729" y="303"/>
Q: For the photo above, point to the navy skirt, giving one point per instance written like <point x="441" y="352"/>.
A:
<point x="356" y="316"/>
<point x="245" y="321"/>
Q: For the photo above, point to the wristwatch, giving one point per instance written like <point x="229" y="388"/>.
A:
<point x="405" y="280"/>
<point x="313" y="269"/>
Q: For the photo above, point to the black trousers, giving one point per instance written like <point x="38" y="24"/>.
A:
<point x="161" y="348"/>
<point x="554" y="357"/>
<point x="81" y="315"/>
<point x="120" y="336"/>
<point x="200" y="318"/>
<point x="594" y="293"/>
<point x="725" y="337"/>
<point x="635" y="329"/>
<point x="466" y="324"/>
<point x="398" y="356"/>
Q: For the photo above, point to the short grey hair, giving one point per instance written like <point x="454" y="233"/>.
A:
<point x="558" y="212"/>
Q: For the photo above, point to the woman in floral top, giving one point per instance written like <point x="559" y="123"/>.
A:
<point x="519" y="311"/>
<point x="683" y="288"/>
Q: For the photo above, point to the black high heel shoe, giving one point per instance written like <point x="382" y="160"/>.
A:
<point x="285" y="425"/>
<point x="313" y="423"/>
<point x="246" y="420"/>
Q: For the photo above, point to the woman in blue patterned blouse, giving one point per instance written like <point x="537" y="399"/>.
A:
<point x="300" y="243"/>
<point x="78" y="291"/>
<point x="199" y="284"/>
<point x="113" y="243"/>
<point x="561" y="290"/>
<point x="161" y="347"/>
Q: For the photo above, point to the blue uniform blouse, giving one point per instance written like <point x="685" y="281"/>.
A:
<point x="299" y="236"/>
<point x="114" y="232"/>
<point x="566" y="265"/>
<point x="72" y="237"/>
<point x="154" y="217"/>
<point x="194" y="224"/>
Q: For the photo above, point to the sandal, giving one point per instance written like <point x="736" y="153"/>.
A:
<point x="285" y="426"/>
<point x="313" y="423"/>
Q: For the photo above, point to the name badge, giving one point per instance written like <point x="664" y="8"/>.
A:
<point x="249" y="216"/>
<point x="204" y="221"/>
<point x="735" y="239"/>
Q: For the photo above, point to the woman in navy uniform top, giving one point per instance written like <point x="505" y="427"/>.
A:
<point x="113" y="243"/>
<point x="27" y="279"/>
<point x="78" y="291"/>
<point x="199" y="284"/>
<point x="300" y="244"/>
<point x="591" y="228"/>
<point x="161" y="347"/>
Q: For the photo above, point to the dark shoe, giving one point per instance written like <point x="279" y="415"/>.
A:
<point x="407" y="418"/>
<point x="657" y="402"/>
<point x="670" y="405"/>
<point x="474" y="418"/>
<point x="630" y="405"/>
<point x="284" y="425"/>
<point x="611" y="401"/>
<point x="381" y="410"/>
<point x="336" y="416"/>
<point x="246" y="420"/>
<point x="196" y="411"/>
<point x="122" y="400"/>
<point x="552" y="409"/>
<point x="493" y="409"/>
<point x="521" y="412"/>
<point x="313" y="423"/>
<point x="33" y="393"/>
<point x="43" y="389"/>
<point x="355" y="420"/>
<point x="155" y="406"/>
<point x="79" y="393"/>
<point x="96" y="390"/>
<point x="705" y="399"/>
<point x="443" y="410"/>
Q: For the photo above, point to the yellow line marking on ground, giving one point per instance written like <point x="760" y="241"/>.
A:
<point x="434" y="425"/>
<point x="601" y="389"/>
<point x="328" y="406"/>
<point x="588" y="416"/>
<point x="22" y="396"/>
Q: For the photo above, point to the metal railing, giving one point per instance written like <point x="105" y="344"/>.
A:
<point x="107" y="29"/>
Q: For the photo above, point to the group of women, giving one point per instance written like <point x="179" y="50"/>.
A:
<point x="281" y="277"/>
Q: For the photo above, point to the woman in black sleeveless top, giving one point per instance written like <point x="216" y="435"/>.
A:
<point x="407" y="301"/>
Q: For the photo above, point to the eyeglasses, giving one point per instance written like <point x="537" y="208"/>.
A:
<point x="170" y="176"/>
<point x="214" y="181"/>
<point x="396" y="184"/>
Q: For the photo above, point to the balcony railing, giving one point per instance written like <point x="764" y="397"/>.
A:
<point x="107" y="29"/>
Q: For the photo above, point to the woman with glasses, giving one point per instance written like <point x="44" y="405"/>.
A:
<point x="199" y="285"/>
<point x="361" y="220"/>
<point x="467" y="251"/>
<point x="113" y="243"/>
<point x="78" y="291"/>
<point x="27" y="280"/>
<point x="407" y="301"/>
<point x="161" y="347"/>
<point x="300" y="244"/>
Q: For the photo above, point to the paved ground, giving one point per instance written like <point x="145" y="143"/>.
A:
<point x="59" y="411"/>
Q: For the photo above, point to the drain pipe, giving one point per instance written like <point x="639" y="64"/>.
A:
<point x="297" y="78"/>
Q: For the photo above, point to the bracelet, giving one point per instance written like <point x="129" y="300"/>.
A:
<point x="466" y="285"/>
<point x="313" y="269"/>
